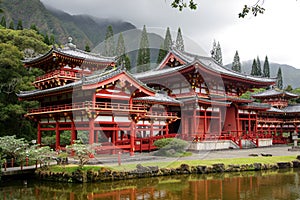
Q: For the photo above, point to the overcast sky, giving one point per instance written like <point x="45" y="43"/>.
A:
<point x="275" y="33"/>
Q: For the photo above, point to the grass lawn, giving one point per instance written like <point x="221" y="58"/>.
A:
<point x="175" y="164"/>
<point x="226" y="162"/>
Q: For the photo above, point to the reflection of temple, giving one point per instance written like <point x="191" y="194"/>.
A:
<point x="188" y="96"/>
<point x="268" y="185"/>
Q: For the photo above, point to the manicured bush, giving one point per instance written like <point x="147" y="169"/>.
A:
<point x="170" y="147"/>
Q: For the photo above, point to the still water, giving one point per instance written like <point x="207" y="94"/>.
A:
<point x="249" y="185"/>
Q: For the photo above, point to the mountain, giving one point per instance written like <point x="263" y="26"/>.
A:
<point x="290" y="74"/>
<point x="83" y="29"/>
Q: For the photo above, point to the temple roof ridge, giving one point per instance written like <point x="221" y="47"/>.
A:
<point x="274" y="92"/>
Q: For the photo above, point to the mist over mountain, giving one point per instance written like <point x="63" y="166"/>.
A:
<point x="84" y="29"/>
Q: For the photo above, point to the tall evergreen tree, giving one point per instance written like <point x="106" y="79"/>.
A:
<point x="87" y="48"/>
<point x="109" y="43"/>
<point x="20" y="25"/>
<point x="11" y="25"/>
<point x="236" y="65"/>
<point x="216" y="53"/>
<point x="168" y="40"/>
<point x="143" y="59"/>
<point x="279" y="83"/>
<point x="33" y="27"/>
<point x="123" y="58"/>
<point x="166" y="46"/>
<point x="254" y="68"/>
<point x="3" y="22"/>
<point x="46" y="39"/>
<point x="266" y="70"/>
<point x="161" y="53"/>
<point x="179" y="40"/>
<point x="258" y="67"/>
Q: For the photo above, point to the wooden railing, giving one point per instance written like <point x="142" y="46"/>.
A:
<point x="58" y="73"/>
<point x="89" y="105"/>
<point x="104" y="106"/>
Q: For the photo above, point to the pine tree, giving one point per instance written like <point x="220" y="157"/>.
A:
<point x="20" y="25"/>
<point x="219" y="54"/>
<point x="52" y="39"/>
<point x="168" y="40"/>
<point x="254" y="68"/>
<point x="216" y="53"/>
<point x="258" y="67"/>
<point x="123" y="58"/>
<point x="266" y="71"/>
<point x="109" y="43"/>
<point x="87" y="48"/>
<point x="236" y="65"/>
<point x="3" y="22"/>
<point x="11" y="25"/>
<point x="33" y="27"/>
<point x="279" y="79"/>
<point x="179" y="41"/>
<point x="46" y="39"/>
<point x="143" y="59"/>
<point x="163" y="51"/>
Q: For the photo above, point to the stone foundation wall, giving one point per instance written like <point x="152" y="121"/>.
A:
<point x="104" y="174"/>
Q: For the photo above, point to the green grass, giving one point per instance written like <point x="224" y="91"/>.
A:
<point x="226" y="162"/>
<point x="73" y="168"/>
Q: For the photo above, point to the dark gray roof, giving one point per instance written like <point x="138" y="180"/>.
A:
<point x="256" y="105"/>
<point x="96" y="77"/>
<point x="158" y="98"/>
<point x="292" y="109"/>
<point x="196" y="98"/>
<point x="71" y="51"/>
<point x="274" y="92"/>
<point x="207" y="62"/>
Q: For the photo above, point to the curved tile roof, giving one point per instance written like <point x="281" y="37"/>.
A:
<point x="274" y="92"/>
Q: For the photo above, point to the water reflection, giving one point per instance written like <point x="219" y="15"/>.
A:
<point x="249" y="185"/>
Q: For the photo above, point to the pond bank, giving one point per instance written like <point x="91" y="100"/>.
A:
<point x="102" y="174"/>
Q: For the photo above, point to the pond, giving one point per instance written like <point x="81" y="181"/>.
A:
<point x="284" y="184"/>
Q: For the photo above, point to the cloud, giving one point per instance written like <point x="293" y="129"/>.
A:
<point x="274" y="34"/>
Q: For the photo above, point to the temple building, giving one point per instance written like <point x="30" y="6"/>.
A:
<point x="186" y="96"/>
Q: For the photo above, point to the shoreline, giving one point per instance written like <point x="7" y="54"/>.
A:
<point x="187" y="165"/>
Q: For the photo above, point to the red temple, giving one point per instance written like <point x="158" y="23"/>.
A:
<point x="185" y="96"/>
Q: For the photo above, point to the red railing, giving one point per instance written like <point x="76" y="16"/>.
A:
<point x="57" y="73"/>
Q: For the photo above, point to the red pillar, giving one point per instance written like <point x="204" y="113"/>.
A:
<point x="39" y="134"/>
<point x="249" y="122"/>
<point x="92" y="130"/>
<point x="73" y="132"/>
<point x="205" y="121"/>
<point x="57" y="143"/>
<point x="132" y="136"/>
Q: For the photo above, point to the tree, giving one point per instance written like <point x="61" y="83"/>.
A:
<point x="279" y="83"/>
<point x="180" y="4"/>
<point x="161" y="53"/>
<point x="236" y="65"/>
<point x="289" y="88"/>
<point x="254" y="68"/>
<point x="216" y="53"/>
<point x="143" y="59"/>
<point x="258" y="67"/>
<point x="123" y="58"/>
<point x="3" y="22"/>
<point x="13" y="147"/>
<point x="15" y="78"/>
<point x="20" y="25"/>
<point x="255" y="9"/>
<point x="33" y="27"/>
<point x="87" y="48"/>
<point x="11" y="25"/>
<point x="82" y="152"/>
<point x="266" y="70"/>
<point x="166" y="46"/>
<point x="179" y="40"/>
<point x="109" y="43"/>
